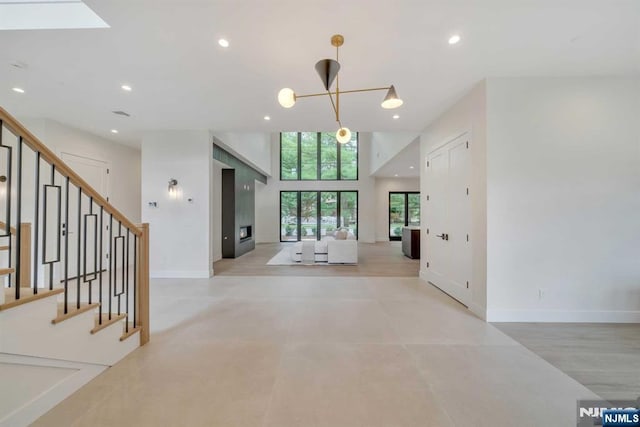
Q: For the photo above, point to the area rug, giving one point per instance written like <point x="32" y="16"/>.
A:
<point x="284" y="258"/>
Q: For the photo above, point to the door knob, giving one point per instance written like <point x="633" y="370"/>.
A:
<point x="442" y="236"/>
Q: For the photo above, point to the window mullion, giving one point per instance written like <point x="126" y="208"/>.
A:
<point x="299" y="156"/>
<point x="299" y="215"/>
<point x="318" y="158"/>
<point x="406" y="209"/>
<point x="339" y="161"/>
<point x="338" y="209"/>
<point x="318" y="215"/>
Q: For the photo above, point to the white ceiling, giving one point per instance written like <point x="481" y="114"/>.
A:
<point x="167" y="50"/>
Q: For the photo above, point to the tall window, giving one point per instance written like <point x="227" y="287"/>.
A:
<point x="311" y="215"/>
<point x="317" y="156"/>
<point x="404" y="210"/>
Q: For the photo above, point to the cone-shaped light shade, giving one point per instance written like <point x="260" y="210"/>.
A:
<point x="391" y="100"/>
<point x="343" y="135"/>
<point x="287" y="97"/>
<point x="327" y="70"/>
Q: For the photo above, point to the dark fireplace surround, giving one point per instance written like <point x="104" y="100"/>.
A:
<point x="238" y="203"/>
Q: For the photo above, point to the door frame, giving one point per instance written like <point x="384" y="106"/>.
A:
<point x="104" y="191"/>
<point x="406" y="211"/>
<point x="463" y="296"/>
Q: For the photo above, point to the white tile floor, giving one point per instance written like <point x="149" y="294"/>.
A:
<point x="314" y="351"/>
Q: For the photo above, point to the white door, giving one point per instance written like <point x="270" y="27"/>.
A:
<point x="95" y="173"/>
<point x="436" y="216"/>
<point x="448" y="218"/>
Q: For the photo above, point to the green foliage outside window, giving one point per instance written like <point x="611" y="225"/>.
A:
<point x="309" y="155"/>
<point x="289" y="155"/>
<point x="300" y="214"/>
<point x="317" y="156"/>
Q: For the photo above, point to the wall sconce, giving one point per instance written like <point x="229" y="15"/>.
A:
<point x="3" y="188"/>
<point x="173" y="188"/>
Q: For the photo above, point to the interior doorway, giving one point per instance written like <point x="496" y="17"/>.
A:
<point x="447" y="221"/>
<point x="404" y="210"/>
<point x="95" y="172"/>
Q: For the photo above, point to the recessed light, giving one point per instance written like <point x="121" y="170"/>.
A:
<point x="395" y="175"/>
<point x="410" y="167"/>
<point x="396" y="116"/>
<point x="454" y="39"/>
<point x="18" y="89"/>
<point x="223" y="42"/>
<point x="126" y="88"/>
<point x="114" y="130"/>
<point x="267" y="118"/>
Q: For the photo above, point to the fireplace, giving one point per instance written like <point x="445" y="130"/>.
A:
<point x="245" y="233"/>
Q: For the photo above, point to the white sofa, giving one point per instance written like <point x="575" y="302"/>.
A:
<point x="329" y="250"/>
<point x="342" y="251"/>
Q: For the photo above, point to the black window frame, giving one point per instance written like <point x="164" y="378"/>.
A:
<point x="319" y="211"/>
<point x="406" y="212"/>
<point x="319" y="160"/>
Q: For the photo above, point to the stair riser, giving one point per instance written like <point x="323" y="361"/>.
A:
<point x="27" y="330"/>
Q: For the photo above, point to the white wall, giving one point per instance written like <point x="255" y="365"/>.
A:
<point x="385" y="145"/>
<point x="383" y="186"/>
<point x="467" y="115"/>
<point x="180" y="232"/>
<point x="252" y="148"/>
<point x="563" y="199"/>
<point x="124" y="161"/>
<point x="268" y="197"/>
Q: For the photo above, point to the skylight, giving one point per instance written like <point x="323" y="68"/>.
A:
<point x="47" y="15"/>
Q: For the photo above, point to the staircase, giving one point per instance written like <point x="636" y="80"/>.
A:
<point x="75" y="275"/>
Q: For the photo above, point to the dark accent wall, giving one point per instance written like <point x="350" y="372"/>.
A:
<point x="238" y="202"/>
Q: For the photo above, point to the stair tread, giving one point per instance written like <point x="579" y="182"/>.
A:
<point x="106" y="321"/>
<point x="5" y="271"/>
<point x="72" y="310"/>
<point x="131" y="331"/>
<point x="26" y="296"/>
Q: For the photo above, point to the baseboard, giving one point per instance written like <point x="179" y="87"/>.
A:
<point x="29" y="411"/>
<point x="181" y="274"/>
<point x="563" y="316"/>
<point x="479" y="311"/>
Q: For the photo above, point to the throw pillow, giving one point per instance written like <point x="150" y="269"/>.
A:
<point x="341" y="235"/>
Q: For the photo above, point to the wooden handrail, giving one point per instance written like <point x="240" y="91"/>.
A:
<point x="143" y="283"/>
<point x="3" y="226"/>
<point x="46" y="154"/>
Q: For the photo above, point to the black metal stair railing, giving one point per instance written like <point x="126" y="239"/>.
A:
<point x="42" y="204"/>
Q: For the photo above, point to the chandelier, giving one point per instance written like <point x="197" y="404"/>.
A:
<point x="328" y="71"/>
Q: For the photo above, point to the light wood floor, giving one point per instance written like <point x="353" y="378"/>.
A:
<point x="383" y="259"/>
<point x="603" y="357"/>
<point x="324" y="351"/>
